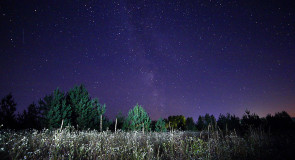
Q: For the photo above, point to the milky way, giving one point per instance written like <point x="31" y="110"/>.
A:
<point x="172" y="57"/>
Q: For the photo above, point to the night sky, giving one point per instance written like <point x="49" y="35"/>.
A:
<point x="171" y="56"/>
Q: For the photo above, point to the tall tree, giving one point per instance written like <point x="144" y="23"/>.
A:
<point x="30" y="118"/>
<point x="228" y="122"/>
<point x="58" y="111"/>
<point x="213" y="121"/>
<point x="208" y="120"/>
<point x="200" y="123"/>
<point x="100" y="110"/>
<point x="75" y="108"/>
<point x="137" y="119"/>
<point x="177" y="122"/>
<point x="82" y="109"/>
<point x="250" y="120"/>
<point x="120" y="120"/>
<point x="190" y="124"/>
<point x="87" y="112"/>
<point x="7" y="109"/>
<point x="160" y="126"/>
<point x="118" y="123"/>
<point x="44" y="107"/>
<point x="279" y="122"/>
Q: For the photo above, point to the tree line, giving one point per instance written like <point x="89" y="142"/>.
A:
<point x="77" y="109"/>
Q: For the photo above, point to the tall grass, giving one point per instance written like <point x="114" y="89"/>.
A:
<point x="91" y="144"/>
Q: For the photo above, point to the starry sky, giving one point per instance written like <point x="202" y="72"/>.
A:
<point x="171" y="56"/>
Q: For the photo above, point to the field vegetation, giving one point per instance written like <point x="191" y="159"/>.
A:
<point x="73" y="125"/>
<point x="69" y="143"/>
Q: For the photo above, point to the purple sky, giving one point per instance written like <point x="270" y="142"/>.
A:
<point x="172" y="57"/>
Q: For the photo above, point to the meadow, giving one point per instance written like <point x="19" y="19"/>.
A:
<point x="69" y="143"/>
<point x="74" y="128"/>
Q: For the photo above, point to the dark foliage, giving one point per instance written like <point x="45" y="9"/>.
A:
<point x="176" y="122"/>
<point x="205" y="121"/>
<point x="120" y="121"/>
<point x="190" y="124"/>
<point x="280" y="121"/>
<point x="228" y="122"/>
<point x="7" y="112"/>
<point x="30" y="118"/>
<point x="200" y="124"/>
<point x="250" y="121"/>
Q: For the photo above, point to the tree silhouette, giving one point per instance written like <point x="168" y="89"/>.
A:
<point x="200" y="123"/>
<point x="190" y="124"/>
<point x="120" y="121"/>
<point x="44" y="106"/>
<point x="30" y="118"/>
<point x="205" y="121"/>
<point x="7" y="109"/>
<point x="228" y="122"/>
<point x="250" y="120"/>
<point x="280" y="121"/>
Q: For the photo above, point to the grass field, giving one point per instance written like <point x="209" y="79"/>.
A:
<point x="72" y="144"/>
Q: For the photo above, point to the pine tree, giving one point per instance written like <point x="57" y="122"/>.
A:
<point x="228" y="122"/>
<point x="213" y="121"/>
<point x="87" y="113"/>
<point x="200" y="123"/>
<point x="7" y="109"/>
<point x="58" y="111"/>
<point x="30" y="118"/>
<point x="74" y="108"/>
<point x="250" y="120"/>
<point x="160" y="125"/>
<point x="80" y="102"/>
<point x="190" y="124"/>
<point x="44" y="107"/>
<point x="100" y="111"/>
<point x="137" y="119"/>
<point x="207" y="120"/>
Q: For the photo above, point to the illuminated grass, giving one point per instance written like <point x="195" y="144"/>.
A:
<point x="72" y="144"/>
